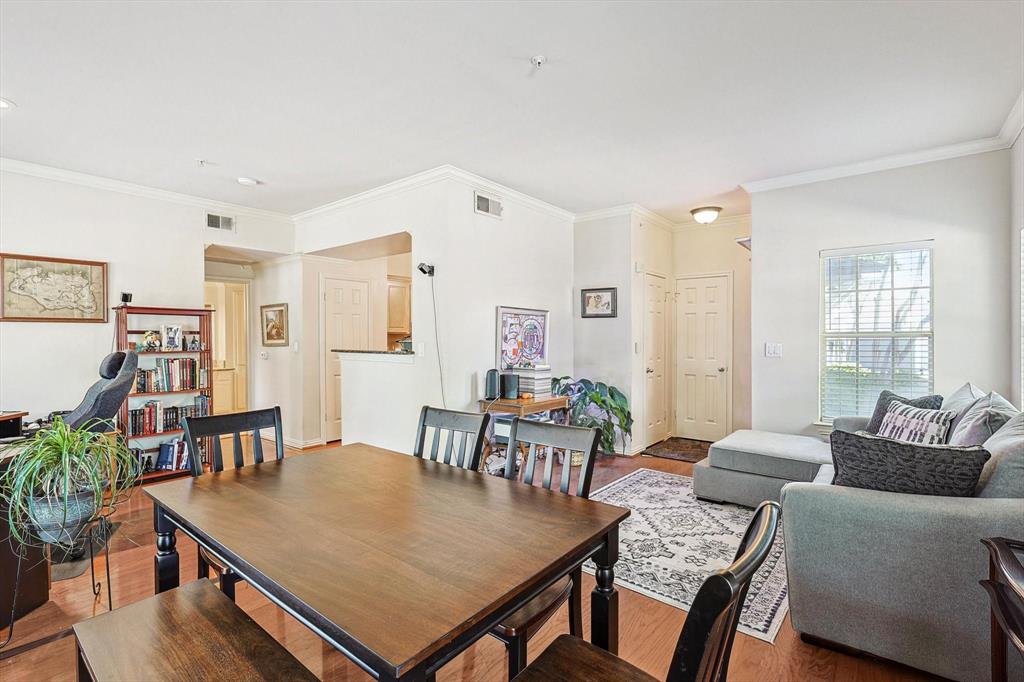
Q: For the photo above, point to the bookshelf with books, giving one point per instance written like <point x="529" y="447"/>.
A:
<point x="173" y="381"/>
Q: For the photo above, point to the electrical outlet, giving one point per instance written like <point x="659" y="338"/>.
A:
<point x="773" y="350"/>
<point x="264" y="355"/>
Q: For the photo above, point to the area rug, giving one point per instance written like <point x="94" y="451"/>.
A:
<point x="679" y="449"/>
<point x="672" y="541"/>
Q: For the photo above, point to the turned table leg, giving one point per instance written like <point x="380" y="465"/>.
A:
<point x="165" y="563"/>
<point x="604" y="600"/>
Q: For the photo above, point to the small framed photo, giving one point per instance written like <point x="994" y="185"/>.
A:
<point x="274" y="324"/>
<point x="170" y="337"/>
<point x="599" y="302"/>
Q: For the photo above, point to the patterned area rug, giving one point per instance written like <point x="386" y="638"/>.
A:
<point x="672" y="541"/>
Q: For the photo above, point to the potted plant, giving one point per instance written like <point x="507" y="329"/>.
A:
<point x="63" y="479"/>
<point x="596" y="404"/>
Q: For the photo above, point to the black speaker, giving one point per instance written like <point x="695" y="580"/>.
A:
<point x="509" y="386"/>
<point x="491" y="385"/>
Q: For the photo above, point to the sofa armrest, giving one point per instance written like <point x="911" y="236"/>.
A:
<point x="893" y="574"/>
<point x="850" y="424"/>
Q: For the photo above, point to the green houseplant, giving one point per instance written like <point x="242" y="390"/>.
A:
<point x="596" y="404"/>
<point x="62" y="479"/>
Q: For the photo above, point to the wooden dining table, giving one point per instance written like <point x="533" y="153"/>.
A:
<point x="397" y="562"/>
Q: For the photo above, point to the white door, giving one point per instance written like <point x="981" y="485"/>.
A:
<point x="346" y="326"/>
<point x="237" y="338"/>
<point x="703" y="354"/>
<point x="655" y="367"/>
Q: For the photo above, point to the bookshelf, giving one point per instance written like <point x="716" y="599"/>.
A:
<point x="173" y="376"/>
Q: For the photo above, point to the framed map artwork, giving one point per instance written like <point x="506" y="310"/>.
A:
<point x="40" y="289"/>
<point x="522" y="337"/>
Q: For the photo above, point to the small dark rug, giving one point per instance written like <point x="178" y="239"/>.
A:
<point x="680" y="449"/>
<point x="64" y="566"/>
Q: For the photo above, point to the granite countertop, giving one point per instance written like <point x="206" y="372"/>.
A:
<point x="374" y="352"/>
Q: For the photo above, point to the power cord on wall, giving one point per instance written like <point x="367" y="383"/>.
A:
<point x="428" y="270"/>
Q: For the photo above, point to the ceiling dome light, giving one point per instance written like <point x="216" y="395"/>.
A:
<point x="6" y="104"/>
<point x="248" y="182"/>
<point x="706" y="215"/>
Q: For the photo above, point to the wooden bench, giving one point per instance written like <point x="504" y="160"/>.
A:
<point x="190" y="633"/>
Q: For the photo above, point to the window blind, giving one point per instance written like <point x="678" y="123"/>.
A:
<point x="876" y="329"/>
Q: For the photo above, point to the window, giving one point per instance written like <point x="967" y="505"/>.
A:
<point x="876" y="327"/>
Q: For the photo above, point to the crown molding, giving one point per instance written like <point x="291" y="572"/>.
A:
<point x="427" y="177"/>
<point x="740" y="220"/>
<point x="84" y="179"/>
<point x="625" y="210"/>
<point x="1014" y="122"/>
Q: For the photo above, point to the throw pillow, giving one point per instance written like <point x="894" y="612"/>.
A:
<point x="916" y="425"/>
<point x="1003" y="475"/>
<point x="928" y="402"/>
<point x="960" y="400"/>
<point x="866" y="461"/>
<point x="982" y="419"/>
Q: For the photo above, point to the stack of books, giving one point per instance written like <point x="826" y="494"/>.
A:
<point x="179" y="374"/>
<point x="535" y="380"/>
<point x="173" y="456"/>
<point x="154" y="417"/>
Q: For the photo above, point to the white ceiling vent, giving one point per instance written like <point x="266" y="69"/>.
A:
<point x="220" y="222"/>
<point x="487" y="205"/>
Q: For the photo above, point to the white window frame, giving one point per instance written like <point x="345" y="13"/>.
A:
<point x="823" y="335"/>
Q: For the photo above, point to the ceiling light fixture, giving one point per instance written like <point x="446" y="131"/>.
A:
<point x="705" y="215"/>
<point x="538" y="61"/>
<point x="248" y="182"/>
<point x="6" y="104"/>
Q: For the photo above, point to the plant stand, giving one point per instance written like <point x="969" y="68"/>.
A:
<point x="104" y="531"/>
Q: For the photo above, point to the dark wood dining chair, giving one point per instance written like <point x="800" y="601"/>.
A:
<point x="705" y="643"/>
<point x="535" y="437"/>
<point x="213" y="427"/>
<point x="468" y="428"/>
<point x="1005" y="587"/>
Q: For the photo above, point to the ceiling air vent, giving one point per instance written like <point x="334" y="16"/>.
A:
<point x="487" y="205"/>
<point x="220" y="222"/>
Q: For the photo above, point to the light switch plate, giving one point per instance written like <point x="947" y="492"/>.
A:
<point x="264" y="355"/>
<point x="773" y="350"/>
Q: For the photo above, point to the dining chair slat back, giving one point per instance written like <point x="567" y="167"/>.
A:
<point x="215" y="426"/>
<point x="466" y="426"/>
<point x="551" y="437"/>
<point x="705" y="643"/>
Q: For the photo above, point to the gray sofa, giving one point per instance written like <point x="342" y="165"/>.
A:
<point x="891" y="574"/>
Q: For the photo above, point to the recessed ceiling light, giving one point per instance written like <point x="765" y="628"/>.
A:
<point x="248" y="182"/>
<point x="706" y="214"/>
<point x="6" y="104"/>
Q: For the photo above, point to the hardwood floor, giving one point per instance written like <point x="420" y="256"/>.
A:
<point x="648" y="628"/>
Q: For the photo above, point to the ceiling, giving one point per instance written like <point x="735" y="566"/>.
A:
<point x="669" y="105"/>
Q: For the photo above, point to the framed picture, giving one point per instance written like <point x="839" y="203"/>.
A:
<point x="41" y="289"/>
<point x="274" y="324"/>
<point x="599" y="302"/>
<point x="170" y="337"/>
<point x="522" y="337"/>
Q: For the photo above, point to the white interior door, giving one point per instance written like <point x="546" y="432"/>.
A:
<point x="346" y="326"/>
<point x="703" y="354"/>
<point x="237" y="338"/>
<point x="656" y="378"/>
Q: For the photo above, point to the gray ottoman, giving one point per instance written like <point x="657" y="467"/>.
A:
<point x="747" y="467"/>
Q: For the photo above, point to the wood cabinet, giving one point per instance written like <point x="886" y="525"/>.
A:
<point x="399" y="305"/>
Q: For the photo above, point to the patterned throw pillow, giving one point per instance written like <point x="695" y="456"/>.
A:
<point x="916" y="425"/>
<point x="886" y="398"/>
<point x="865" y="461"/>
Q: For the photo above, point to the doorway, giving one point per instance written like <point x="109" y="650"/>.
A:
<point x="230" y="381"/>
<point x="656" y="422"/>
<point x="703" y="356"/>
<point x="346" y="313"/>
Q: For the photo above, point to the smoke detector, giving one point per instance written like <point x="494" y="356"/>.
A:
<point x="538" y="61"/>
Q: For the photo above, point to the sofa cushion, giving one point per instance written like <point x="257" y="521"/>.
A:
<point x="866" y="461"/>
<point x="779" y="455"/>
<point x="960" y="400"/>
<point x="1003" y="475"/>
<point x="928" y="402"/>
<point x="915" y="424"/>
<point x="982" y="419"/>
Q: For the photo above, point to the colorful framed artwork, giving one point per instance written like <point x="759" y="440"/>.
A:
<point x="522" y="337"/>
<point x="41" y="289"/>
<point x="599" y="302"/>
<point x="274" y="324"/>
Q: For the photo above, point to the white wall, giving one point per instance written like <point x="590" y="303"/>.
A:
<point x="1016" y="225"/>
<point x="153" y="247"/>
<point x="524" y="259"/>
<point x="962" y="204"/>
<point x="701" y="249"/>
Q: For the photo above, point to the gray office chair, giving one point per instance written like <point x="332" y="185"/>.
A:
<point x="104" y="398"/>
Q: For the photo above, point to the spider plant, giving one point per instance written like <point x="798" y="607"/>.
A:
<point x="596" y="404"/>
<point x="63" y="478"/>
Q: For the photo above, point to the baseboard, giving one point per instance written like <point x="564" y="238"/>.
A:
<point x="301" y="444"/>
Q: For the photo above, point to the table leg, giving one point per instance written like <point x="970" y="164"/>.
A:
<point x="165" y="564"/>
<point x="604" y="600"/>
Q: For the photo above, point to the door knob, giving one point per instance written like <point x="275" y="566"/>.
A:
<point x="721" y="369"/>
<point x="650" y="371"/>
